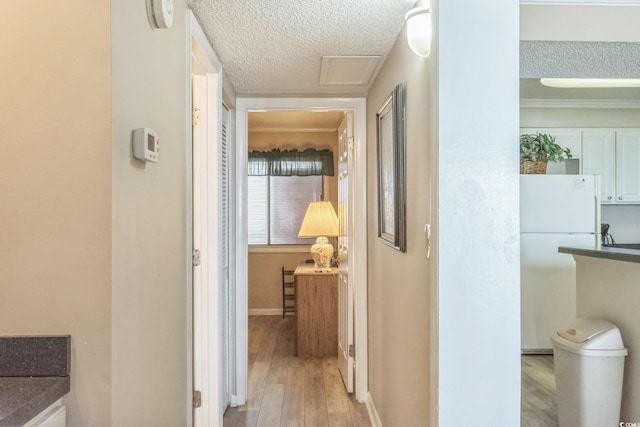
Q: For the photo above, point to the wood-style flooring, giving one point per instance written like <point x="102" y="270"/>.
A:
<point x="286" y="391"/>
<point x="538" y="392"/>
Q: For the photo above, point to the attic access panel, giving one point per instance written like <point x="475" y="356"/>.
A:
<point x="348" y="70"/>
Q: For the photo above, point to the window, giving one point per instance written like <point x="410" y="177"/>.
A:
<point x="277" y="205"/>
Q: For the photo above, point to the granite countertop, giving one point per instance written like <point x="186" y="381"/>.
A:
<point x="612" y="253"/>
<point x="22" y="398"/>
<point x="34" y="373"/>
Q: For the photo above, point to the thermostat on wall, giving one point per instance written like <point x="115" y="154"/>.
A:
<point x="145" y="145"/>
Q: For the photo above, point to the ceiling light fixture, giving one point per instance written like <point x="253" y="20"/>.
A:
<point x="590" y="83"/>
<point x="419" y="30"/>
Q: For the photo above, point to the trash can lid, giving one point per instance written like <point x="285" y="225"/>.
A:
<point x="584" y="329"/>
<point x="591" y="334"/>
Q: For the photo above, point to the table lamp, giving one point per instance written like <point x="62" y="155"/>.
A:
<point x="320" y="221"/>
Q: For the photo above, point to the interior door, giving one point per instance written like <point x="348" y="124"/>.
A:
<point x="211" y="253"/>
<point x="345" y="286"/>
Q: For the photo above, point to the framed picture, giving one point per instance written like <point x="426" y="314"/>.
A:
<point x="391" y="171"/>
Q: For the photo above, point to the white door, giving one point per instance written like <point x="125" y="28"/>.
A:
<point x="345" y="286"/>
<point x="211" y="246"/>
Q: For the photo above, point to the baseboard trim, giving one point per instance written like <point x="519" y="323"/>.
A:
<point x="266" y="312"/>
<point x="373" y="413"/>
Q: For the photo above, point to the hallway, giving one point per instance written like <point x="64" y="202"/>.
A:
<point x="288" y="391"/>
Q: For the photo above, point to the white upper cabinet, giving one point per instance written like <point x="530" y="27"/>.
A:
<point x="627" y="166"/>
<point x="614" y="154"/>
<point x="599" y="158"/>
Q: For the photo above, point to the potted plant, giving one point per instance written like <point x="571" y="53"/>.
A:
<point x="536" y="150"/>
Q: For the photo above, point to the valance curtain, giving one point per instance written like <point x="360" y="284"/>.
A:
<point x="291" y="162"/>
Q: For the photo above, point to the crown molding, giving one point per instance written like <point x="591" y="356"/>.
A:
<point x="580" y="103"/>
<point x="581" y="2"/>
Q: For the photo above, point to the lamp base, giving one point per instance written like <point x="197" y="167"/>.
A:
<point x="321" y="252"/>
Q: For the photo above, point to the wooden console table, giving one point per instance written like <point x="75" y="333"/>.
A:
<point x="316" y="312"/>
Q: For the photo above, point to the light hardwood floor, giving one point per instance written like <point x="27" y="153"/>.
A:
<point x="538" y="392"/>
<point x="286" y="391"/>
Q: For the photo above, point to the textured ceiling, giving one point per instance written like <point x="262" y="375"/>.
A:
<point x="579" y="59"/>
<point x="275" y="47"/>
<point x="572" y="59"/>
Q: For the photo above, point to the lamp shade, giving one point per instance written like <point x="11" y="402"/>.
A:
<point x="419" y="30"/>
<point x="319" y="220"/>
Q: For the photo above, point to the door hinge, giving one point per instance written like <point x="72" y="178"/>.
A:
<point x="195" y="258"/>
<point x="352" y="350"/>
<point x="197" y="398"/>
<point x="350" y="143"/>
<point x="195" y="116"/>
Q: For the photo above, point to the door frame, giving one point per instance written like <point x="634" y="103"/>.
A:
<point x="243" y="107"/>
<point x="205" y="339"/>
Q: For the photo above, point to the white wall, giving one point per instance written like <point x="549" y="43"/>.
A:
<point x="580" y="117"/>
<point x="579" y="23"/>
<point x="624" y="221"/>
<point x="55" y="188"/>
<point x="476" y="87"/>
<point x="149" y="291"/>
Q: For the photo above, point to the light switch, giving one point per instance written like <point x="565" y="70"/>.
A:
<point x="427" y="240"/>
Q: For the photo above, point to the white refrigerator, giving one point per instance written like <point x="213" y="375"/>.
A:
<point x="555" y="210"/>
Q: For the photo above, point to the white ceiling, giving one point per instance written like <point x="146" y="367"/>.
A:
<point x="275" y="47"/>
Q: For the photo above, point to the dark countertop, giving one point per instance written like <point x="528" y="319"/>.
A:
<point x="612" y="253"/>
<point x="34" y="374"/>
<point x="22" y="398"/>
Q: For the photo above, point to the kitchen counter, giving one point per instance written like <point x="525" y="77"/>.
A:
<point x="607" y="288"/>
<point x="611" y="253"/>
<point x="34" y="373"/>
<point x="22" y="398"/>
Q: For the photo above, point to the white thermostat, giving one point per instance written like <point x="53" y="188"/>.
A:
<point x="145" y="145"/>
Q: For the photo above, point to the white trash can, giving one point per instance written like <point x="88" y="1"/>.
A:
<point x="588" y="357"/>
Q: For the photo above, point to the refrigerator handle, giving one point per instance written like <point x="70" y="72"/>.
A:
<point x="596" y="190"/>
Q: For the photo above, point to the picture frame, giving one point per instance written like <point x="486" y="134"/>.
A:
<point x="390" y="132"/>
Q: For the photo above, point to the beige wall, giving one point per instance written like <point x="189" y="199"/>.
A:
<point x="150" y="89"/>
<point x="55" y="163"/>
<point x="399" y="284"/>
<point x="265" y="278"/>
